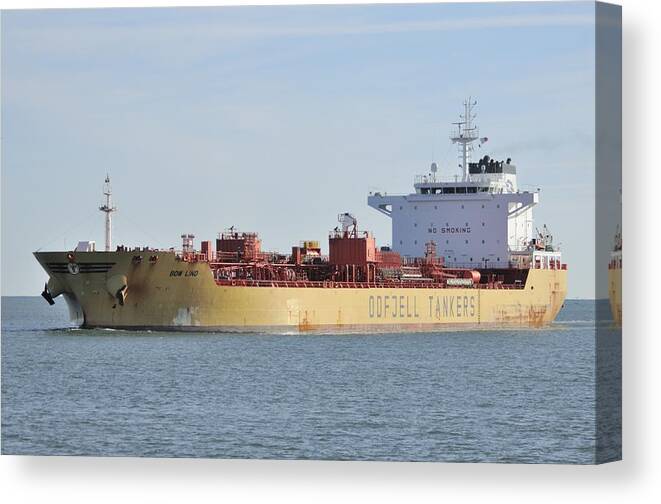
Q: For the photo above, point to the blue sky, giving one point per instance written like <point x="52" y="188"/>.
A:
<point x="276" y="119"/>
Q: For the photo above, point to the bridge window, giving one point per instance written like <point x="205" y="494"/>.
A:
<point x="461" y="190"/>
<point x="472" y="190"/>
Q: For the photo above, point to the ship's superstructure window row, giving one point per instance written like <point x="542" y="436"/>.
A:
<point x="456" y="189"/>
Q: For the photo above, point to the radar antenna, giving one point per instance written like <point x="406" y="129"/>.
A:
<point x="349" y="224"/>
<point x="108" y="209"/>
<point x="434" y="170"/>
<point x="464" y="134"/>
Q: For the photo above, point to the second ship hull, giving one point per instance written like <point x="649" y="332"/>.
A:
<point x="176" y="295"/>
<point x="615" y="294"/>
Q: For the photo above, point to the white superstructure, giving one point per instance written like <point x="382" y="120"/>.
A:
<point x="108" y="209"/>
<point x="482" y="220"/>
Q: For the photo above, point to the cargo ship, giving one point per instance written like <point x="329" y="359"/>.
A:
<point x="463" y="255"/>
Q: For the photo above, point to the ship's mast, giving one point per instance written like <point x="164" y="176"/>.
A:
<point x="464" y="135"/>
<point x="108" y="209"/>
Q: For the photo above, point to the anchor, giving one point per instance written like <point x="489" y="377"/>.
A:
<point x="47" y="295"/>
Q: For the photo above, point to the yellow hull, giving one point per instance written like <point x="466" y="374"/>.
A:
<point x="172" y="294"/>
<point x="615" y="293"/>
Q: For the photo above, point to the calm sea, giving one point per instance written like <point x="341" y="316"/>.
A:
<point x="498" y="396"/>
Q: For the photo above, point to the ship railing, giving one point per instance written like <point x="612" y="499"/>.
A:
<point x="392" y="284"/>
<point x="485" y="265"/>
<point x="425" y="179"/>
<point x="407" y="262"/>
<point x="237" y="234"/>
<point x="220" y="256"/>
<point x="191" y="257"/>
<point x="515" y="265"/>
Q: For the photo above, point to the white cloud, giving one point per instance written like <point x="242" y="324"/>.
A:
<point x="203" y="33"/>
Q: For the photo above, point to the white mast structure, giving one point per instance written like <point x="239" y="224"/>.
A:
<point x="464" y="135"/>
<point x="108" y="209"/>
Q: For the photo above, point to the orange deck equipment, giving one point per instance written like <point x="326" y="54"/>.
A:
<point x="347" y="249"/>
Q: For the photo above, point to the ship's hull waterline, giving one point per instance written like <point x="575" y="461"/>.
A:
<point x="170" y="294"/>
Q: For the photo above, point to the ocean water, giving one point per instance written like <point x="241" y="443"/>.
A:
<point x="470" y="396"/>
